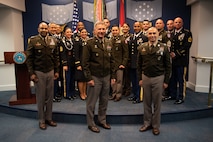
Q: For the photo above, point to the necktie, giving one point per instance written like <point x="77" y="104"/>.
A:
<point x="102" y="44"/>
<point x="150" y="47"/>
<point x="45" y="39"/>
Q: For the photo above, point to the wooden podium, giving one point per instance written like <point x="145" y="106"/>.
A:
<point x="23" y="91"/>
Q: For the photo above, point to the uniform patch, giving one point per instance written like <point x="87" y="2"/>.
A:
<point x="109" y="47"/>
<point x="190" y="39"/>
<point x="61" y="49"/>
<point x="76" y="38"/>
<point x="169" y="43"/>
<point x="181" y="37"/>
<point x="37" y="44"/>
<point x="143" y="50"/>
<point x="118" y="41"/>
<point x="139" y="41"/>
<point x="52" y="42"/>
<point x="160" y="38"/>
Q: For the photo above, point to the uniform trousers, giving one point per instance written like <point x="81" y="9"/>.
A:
<point x="126" y="82"/>
<point x="70" y="82"/>
<point x="153" y="89"/>
<point x="58" y="87"/>
<point x="100" y="91"/>
<point x="117" y="87"/>
<point x="44" y="90"/>
<point x="178" y="77"/>
<point x="135" y="84"/>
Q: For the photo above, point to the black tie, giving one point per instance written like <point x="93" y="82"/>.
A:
<point x="102" y="44"/>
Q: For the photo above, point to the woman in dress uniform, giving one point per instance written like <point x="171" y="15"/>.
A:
<point x="68" y="62"/>
<point x="79" y="76"/>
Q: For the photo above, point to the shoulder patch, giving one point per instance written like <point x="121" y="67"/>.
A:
<point x="190" y="39"/>
<point x="30" y="38"/>
<point x="186" y="30"/>
<point x="145" y="44"/>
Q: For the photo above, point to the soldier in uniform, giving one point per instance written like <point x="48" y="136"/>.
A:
<point x="145" y="26"/>
<point x="137" y="39"/>
<point x="68" y="62"/>
<point x="170" y="28"/>
<point x="182" y="41"/>
<point x="58" y="32"/>
<point x="126" y="80"/>
<point x="42" y="63"/>
<point x="159" y="24"/>
<point x="108" y="30"/>
<point x="80" y="26"/>
<point x="97" y="66"/>
<point x="120" y="51"/>
<point x="79" y="75"/>
<point x="154" y="69"/>
<point x="170" y="34"/>
<point x="58" y="89"/>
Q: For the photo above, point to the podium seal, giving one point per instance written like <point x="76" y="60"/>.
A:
<point x="19" y="57"/>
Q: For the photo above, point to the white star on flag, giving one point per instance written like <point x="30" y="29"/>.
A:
<point x="59" y="14"/>
<point x="144" y="10"/>
<point x="75" y="17"/>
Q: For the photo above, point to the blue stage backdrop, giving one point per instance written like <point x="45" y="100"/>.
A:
<point x="169" y="10"/>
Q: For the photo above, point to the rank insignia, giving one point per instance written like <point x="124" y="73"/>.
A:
<point x="190" y="39"/>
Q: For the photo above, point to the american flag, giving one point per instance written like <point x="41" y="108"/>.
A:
<point x="75" y="17"/>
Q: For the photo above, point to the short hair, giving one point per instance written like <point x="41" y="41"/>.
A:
<point x="115" y="25"/>
<point x="99" y="23"/>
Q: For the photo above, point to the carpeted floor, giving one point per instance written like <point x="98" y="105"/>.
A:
<point x="19" y="129"/>
<point x="190" y="121"/>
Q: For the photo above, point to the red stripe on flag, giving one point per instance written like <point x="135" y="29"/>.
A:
<point x="122" y="13"/>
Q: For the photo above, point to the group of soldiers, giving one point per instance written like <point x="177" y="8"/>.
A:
<point x="125" y="50"/>
<point x="68" y="57"/>
<point x="69" y="44"/>
<point x="172" y="34"/>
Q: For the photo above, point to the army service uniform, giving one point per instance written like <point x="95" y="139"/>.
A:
<point x="134" y="42"/>
<point x="43" y="61"/>
<point x="181" y="43"/>
<point x="154" y="69"/>
<point x="120" y="52"/>
<point x="68" y="59"/>
<point x="97" y="66"/>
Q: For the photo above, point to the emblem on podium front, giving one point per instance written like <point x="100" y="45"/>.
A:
<point x="19" y="57"/>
